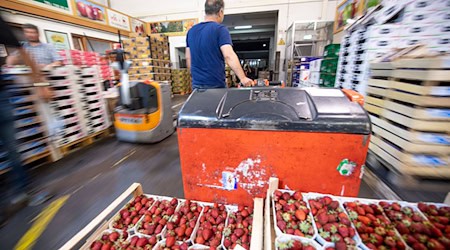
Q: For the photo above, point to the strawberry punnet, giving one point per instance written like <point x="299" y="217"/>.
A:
<point x="110" y="240"/>
<point x="155" y="219"/>
<point x="132" y="212"/>
<point x="239" y="228"/>
<point x="172" y="245"/>
<point x="183" y="222"/>
<point x="375" y="230"/>
<point x="292" y="214"/>
<point x="294" y="245"/>
<point x="212" y="224"/>
<point x="417" y="231"/>
<point x="332" y="222"/>
<point x="439" y="217"/>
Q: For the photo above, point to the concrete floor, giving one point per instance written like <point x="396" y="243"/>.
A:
<point x="95" y="176"/>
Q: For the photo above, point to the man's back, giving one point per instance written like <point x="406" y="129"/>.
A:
<point x="207" y="64"/>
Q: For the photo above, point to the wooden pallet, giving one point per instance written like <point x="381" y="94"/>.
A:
<point x="83" y="142"/>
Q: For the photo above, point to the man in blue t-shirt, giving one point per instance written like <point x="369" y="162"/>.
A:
<point x="209" y="45"/>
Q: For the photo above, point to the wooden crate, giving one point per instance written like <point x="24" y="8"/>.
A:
<point x="409" y="112"/>
<point x="93" y="230"/>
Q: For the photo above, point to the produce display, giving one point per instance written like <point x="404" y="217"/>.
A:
<point x="166" y="245"/>
<point x="110" y="239"/>
<point x="132" y="212"/>
<point x="374" y="228"/>
<point x="352" y="223"/>
<point x="417" y="231"/>
<point x="333" y="223"/>
<point x="182" y="224"/>
<point x="212" y="224"/>
<point x="292" y="214"/>
<point x="154" y="220"/>
<point x="239" y="228"/>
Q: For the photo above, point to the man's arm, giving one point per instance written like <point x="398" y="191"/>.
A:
<point x="57" y="60"/>
<point x="188" y="58"/>
<point x="233" y="61"/>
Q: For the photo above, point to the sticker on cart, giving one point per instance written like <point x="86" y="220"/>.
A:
<point x="346" y="167"/>
<point x="435" y="138"/>
<point x="440" y="113"/>
<point x="429" y="160"/>
<point x="229" y="181"/>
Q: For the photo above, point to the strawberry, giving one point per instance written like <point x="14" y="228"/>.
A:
<point x="340" y="245"/>
<point x="114" y="236"/>
<point x="322" y="218"/>
<point x="206" y="234"/>
<point x="343" y="231"/>
<point x="297" y="196"/>
<point x="300" y="214"/>
<point x="141" y="242"/>
<point x="170" y="241"/>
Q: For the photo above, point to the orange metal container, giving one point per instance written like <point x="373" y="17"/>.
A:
<point x="230" y="159"/>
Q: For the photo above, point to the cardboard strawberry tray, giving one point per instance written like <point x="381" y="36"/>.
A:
<point x="158" y="222"/>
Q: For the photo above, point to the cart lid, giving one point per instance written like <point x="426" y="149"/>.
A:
<point x="287" y="109"/>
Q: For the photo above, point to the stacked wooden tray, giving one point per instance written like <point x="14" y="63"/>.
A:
<point x="409" y="104"/>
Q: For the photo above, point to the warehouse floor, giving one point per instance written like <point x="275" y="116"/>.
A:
<point x="93" y="177"/>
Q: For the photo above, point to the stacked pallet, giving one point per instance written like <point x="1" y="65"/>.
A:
<point x="409" y="104"/>
<point x="31" y="135"/>
<point x="65" y="104"/>
<point x="150" y="57"/>
<point x="93" y="107"/>
<point x="181" y="81"/>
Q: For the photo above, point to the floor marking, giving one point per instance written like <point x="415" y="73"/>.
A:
<point x="124" y="158"/>
<point x="31" y="236"/>
<point x="179" y="104"/>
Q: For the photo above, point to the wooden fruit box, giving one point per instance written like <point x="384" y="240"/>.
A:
<point x="101" y="223"/>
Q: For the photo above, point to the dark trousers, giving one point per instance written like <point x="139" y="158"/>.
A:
<point x="17" y="177"/>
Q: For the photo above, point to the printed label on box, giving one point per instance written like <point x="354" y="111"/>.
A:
<point x="435" y="138"/>
<point x="229" y="181"/>
<point x="429" y="160"/>
<point x="439" y="113"/>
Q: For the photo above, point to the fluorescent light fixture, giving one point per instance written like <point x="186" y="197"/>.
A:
<point x="243" y="27"/>
<point x="307" y="37"/>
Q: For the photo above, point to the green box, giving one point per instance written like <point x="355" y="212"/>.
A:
<point x="331" y="51"/>
<point x="327" y="80"/>
<point x="329" y="65"/>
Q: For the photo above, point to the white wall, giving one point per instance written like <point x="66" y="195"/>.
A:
<point x="48" y="24"/>
<point x="288" y="12"/>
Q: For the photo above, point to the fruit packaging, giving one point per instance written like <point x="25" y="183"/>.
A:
<point x="177" y="245"/>
<point x="292" y="214"/>
<point x="131" y="213"/>
<point x="291" y="242"/>
<point x="109" y="239"/>
<point x="209" y="231"/>
<point x="155" y="219"/>
<point x="374" y="228"/>
<point x="238" y="229"/>
<point x="417" y="231"/>
<point x="182" y="224"/>
<point x="332" y="222"/>
<point x="438" y="214"/>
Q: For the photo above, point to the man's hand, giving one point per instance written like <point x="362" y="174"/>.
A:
<point x="45" y="93"/>
<point x="247" y="82"/>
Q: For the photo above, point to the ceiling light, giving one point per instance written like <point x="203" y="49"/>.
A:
<point x="264" y="45"/>
<point x="243" y="27"/>
<point x="307" y="37"/>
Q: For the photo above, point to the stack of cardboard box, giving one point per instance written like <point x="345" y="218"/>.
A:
<point x="181" y="81"/>
<point x="150" y="57"/>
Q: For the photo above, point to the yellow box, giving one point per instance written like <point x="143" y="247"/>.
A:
<point x="143" y="50"/>
<point x="141" y="41"/>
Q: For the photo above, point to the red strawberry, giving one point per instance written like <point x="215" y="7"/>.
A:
<point x="300" y="215"/>
<point x="170" y="241"/>
<point x="396" y="207"/>
<point x="141" y="242"/>
<point x="199" y="240"/>
<point x="152" y="240"/>
<point x="419" y="246"/>
<point x="360" y="211"/>
<point x="298" y="196"/>
<point x="207" y="233"/>
<point x="96" y="245"/>
<point x="364" y="220"/>
<point x="340" y="246"/>
<point x="343" y="230"/>
<point x="106" y="246"/>
<point x="189" y="231"/>
<point x="322" y="218"/>
<point x="113" y="236"/>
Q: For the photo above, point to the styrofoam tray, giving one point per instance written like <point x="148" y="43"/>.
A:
<point x="285" y="237"/>
<point x="160" y="198"/>
<point x="117" y="216"/>
<point x="192" y="238"/>
<point x="322" y="241"/>
<point x="278" y="231"/>
<point x="368" y="201"/>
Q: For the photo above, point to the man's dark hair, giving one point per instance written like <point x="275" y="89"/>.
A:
<point x="213" y="7"/>
<point x="30" y="26"/>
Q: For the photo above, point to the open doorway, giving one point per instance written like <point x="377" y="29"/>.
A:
<point x="253" y="36"/>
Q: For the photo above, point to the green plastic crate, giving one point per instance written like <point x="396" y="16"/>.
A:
<point x="331" y="51"/>
<point x="327" y="80"/>
<point x="329" y="65"/>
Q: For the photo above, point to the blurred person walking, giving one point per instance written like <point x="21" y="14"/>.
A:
<point x="17" y="178"/>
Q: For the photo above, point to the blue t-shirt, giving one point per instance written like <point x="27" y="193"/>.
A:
<point x="207" y="63"/>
